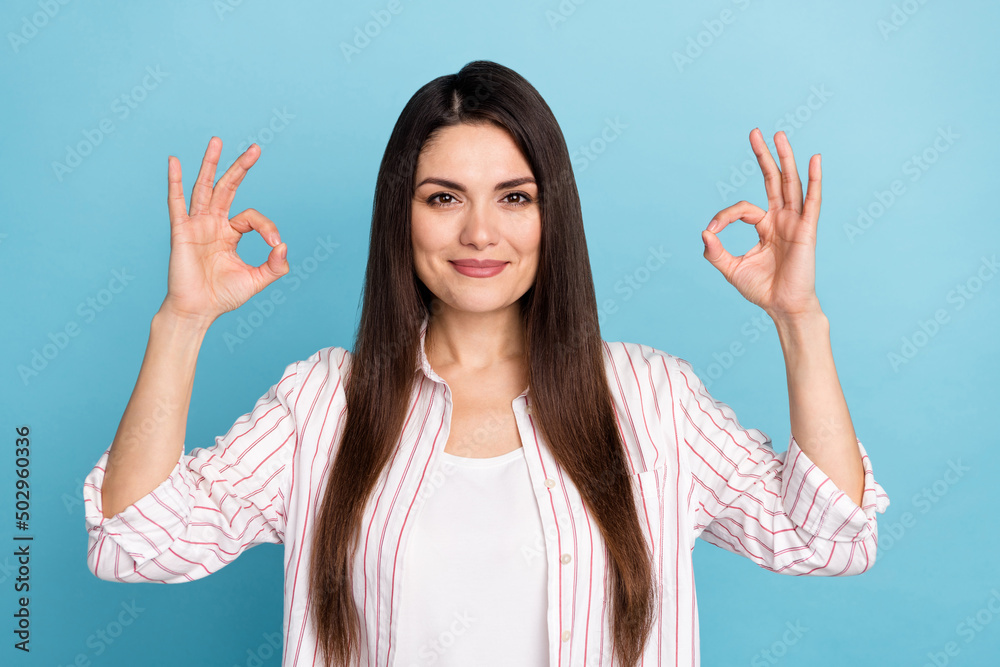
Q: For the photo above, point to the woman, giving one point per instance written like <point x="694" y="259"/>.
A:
<point x="483" y="480"/>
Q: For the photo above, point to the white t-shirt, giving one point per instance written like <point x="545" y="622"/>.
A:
<point x="473" y="589"/>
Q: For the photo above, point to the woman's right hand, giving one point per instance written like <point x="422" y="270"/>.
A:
<point x="206" y="276"/>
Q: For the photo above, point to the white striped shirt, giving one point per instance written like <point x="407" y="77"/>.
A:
<point x="696" y="473"/>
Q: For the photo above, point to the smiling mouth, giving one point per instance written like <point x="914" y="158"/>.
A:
<point x="479" y="263"/>
<point x="484" y="269"/>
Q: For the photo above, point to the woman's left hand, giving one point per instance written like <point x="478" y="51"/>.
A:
<point x="778" y="274"/>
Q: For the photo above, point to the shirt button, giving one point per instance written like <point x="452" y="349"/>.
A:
<point x="565" y="636"/>
<point x="550" y="483"/>
<point x="566" y="558"/>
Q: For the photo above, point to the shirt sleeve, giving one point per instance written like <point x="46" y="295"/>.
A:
<point x="217" y="501"/>
<point x="778" y="509"/>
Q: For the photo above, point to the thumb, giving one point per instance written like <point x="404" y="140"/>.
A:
<point x="716" y="254"/>
<point x="276" y="264"/>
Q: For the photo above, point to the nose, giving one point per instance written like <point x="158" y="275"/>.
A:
<point x="479" y="226"/>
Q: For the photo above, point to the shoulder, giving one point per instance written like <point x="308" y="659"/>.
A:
<point x="634" y="367"/>
<point x="320" y="367"/>
<point x="636" y="356"/>
<point x="655" y="381"/>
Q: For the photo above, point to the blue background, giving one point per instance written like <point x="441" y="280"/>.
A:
<point x="891" y="78"/>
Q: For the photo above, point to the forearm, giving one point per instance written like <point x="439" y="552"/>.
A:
<point x="820" y="421"/>
<point x="150" y="436"/>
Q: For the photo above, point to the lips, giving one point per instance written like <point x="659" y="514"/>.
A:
<point x="486" y="268"/>
<point x="479" y="263"/>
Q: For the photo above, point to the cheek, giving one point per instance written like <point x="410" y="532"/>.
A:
<point x="426" y="246"/>
<point x="420" y="235"/>
<point x="529" y="242"/>
<point x="427" y="232"/>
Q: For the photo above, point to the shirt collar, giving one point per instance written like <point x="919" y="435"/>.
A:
<point x="422" y="363"/>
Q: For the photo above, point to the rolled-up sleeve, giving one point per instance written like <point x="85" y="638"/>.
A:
<point x="815" y="503"/>
<point x="778" y="509"/>
<point x="217" y="501"/>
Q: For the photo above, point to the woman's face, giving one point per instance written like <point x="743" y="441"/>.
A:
<point x="475" y="199"/>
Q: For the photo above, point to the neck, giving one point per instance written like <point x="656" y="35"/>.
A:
<point x="474" y="341"/>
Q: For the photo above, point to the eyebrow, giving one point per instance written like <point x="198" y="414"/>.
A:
<point x="503" y="185"/>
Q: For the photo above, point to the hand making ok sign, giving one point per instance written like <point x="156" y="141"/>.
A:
<point x="778" y="274"/>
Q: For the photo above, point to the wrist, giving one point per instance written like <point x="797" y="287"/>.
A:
<point x="810" y="317"/>
<point x="168" y="317"/>
<point x="803" y="332"/>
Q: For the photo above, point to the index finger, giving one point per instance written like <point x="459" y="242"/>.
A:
<point x="225" y="189"/>
<point x="813" y="190"/>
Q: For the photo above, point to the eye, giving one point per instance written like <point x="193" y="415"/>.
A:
<point x="522" y="199"/>
<point x="433" y="200"/>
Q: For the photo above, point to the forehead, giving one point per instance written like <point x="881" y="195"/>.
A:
<point x="482" y="149"/>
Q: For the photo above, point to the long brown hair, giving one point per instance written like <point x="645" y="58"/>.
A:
<point x="566" y="378"/>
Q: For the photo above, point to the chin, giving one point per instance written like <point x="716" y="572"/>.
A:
<point x="479" y="305"/>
